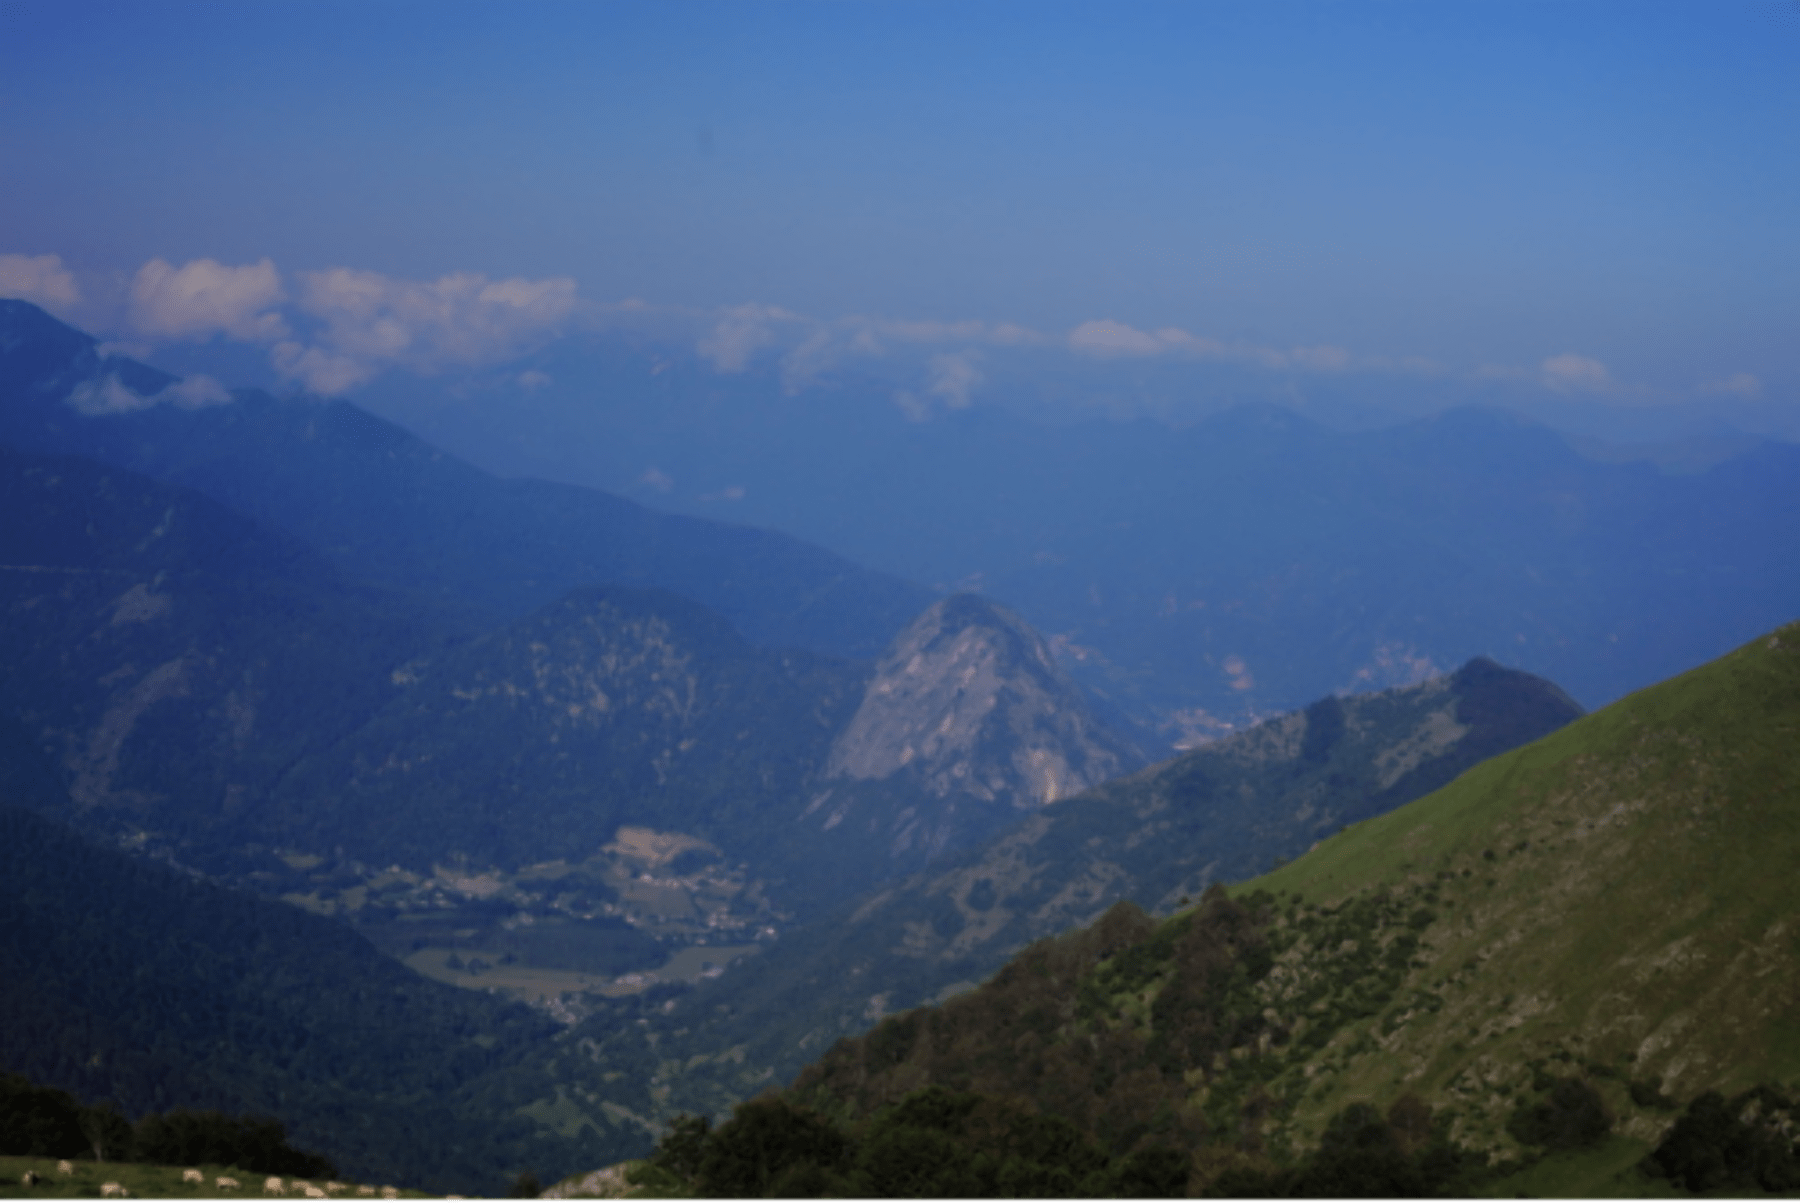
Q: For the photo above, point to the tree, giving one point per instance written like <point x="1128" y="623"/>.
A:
<point x="683" y="1149"/>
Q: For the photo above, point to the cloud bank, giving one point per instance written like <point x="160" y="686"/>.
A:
<point x="331" y="331"/>
<point x="204" y="298"/>
<point x="1572" y="373"/>
<point x="370" y="322"/>
<point x="40" y="279"/>
<point x="108" y="395"/>
<point x="1106" y="338"/>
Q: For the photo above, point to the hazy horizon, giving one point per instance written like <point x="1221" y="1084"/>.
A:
<point x="1581" y="212"/>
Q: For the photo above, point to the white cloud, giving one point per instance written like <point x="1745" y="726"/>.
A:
<point x="1107" y="337"/>
<point x="953" y="375"/>
<point x="109" y="395"/>
<point x="321" y="371"/>
<point x="740" y="334"/>
<point x="1571" y="373"/>
<point x="372" y="322"/>
<point x="40" y="279"/>
<point x="1320" y="359"/>
<point x="196" y="392"/>
<point x="130" y="350"/>
<point x="729" y="493"/>
<point x="531" y="380"/>
<point x="914" y="407"/>
<point x="106" y="396"/>
<point x="203" y="297"/>
<point x="1006" y="334"/>
<point x="810" y="347"/>
<point x="1739" y="384"/>
<point x="808" y="361"/>
<point x="657" y="479"/>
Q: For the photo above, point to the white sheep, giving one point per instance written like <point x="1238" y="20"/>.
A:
<point x="112" y="1190"/>
<point x="366" y="1191"/>
<point x="30" y="1178"/>
<point x="390" y="1192"/>
<point x="66" y="1168"/>
<point x="332" y="1188"/>
<point x="272" y="1186"/>
<point x="224" y="1182"/>
<point x="193" y="1176"/>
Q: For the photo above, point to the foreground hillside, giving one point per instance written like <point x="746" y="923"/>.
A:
<point x="1516" y="983"/>
<point x="1217" y="813"/>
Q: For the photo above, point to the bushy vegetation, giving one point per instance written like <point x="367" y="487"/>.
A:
<point x="935" y="1143"/>
<point x="1742" y="1144"/>
<point x="38" y="1121"/>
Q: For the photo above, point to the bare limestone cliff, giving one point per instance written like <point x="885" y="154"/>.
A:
<point x="967" y="707"/>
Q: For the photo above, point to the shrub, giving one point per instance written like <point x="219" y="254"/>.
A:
<point x="1573" y="1117"/>
<point x="1712" y="1147"/>
<point x="763" y="1140"/>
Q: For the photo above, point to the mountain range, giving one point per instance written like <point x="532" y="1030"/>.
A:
<point x="1234" y="560"/>
<point x="709" y="797"/>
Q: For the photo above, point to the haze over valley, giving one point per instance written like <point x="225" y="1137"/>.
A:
<point x="999" y="600"/>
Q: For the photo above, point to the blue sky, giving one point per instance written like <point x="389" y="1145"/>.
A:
<point x="1597" y="198"/>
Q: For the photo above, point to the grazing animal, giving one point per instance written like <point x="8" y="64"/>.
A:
<point x="112" y="1190"/>
<point x="65" y="1167"/>
<point x="29" y="1178"/>
<point x="225" y="1183"/>
<point x="365" y="1190"/>
<point x="332" y="1188"/>
<point x="272" y="1186"/>
<point x="313" y="1192"/>
<point x="390" y="1192"/>
<point x="192" y="1176"/>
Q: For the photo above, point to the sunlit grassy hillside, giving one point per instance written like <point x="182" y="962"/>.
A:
<point x="1621" y="892"/>
<point x="1515" y="984"/>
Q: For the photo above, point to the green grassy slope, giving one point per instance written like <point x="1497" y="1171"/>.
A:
<point x="1603" y="919"/>
<point x="1622" y="891"/>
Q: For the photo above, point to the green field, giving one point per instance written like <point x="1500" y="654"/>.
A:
<point x="86" y="1180"/>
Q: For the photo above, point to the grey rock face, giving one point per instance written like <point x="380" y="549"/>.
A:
<point x="969" y="698"/>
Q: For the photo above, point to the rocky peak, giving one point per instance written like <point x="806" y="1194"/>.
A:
<point x="969" y="698"/>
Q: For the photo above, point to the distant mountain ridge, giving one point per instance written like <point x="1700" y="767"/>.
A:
<point x="1203" y="572"/>
<point x="172" y="657"/>
<point x="392" y="510"/>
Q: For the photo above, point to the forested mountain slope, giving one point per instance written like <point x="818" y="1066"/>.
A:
<point x="172" y="658"/>
<point x="122" y="978"/>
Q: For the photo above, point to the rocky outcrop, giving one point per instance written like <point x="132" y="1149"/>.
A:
<point x="967" y="722"/>
<point x="970" y="699"/>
